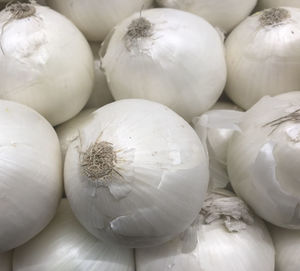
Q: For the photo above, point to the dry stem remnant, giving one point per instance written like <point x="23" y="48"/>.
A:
<point x="294" y="116"/>
<point x="274" y="16"/>
<point x="17" y="11"/>
<point x="98" y="161"/>
<point x="139" y="28"/>
<point x="20" y="10"/>
<point x="231" y="209"/>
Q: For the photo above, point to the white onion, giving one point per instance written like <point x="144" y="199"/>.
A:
<point x="100" y="94"/>
<point x="95" y="18"/>
<point x="263" y="56"/>
<point x="65" y="246"/>
<point x="211" y="246"/>
<point x="215" y="129"/>
<point x="68" y="131"/>
<point x="263" y="159"/>
<point x="6" y="261"/>
<point x="45" y="62"/>
<point x="137" y="174"/>
<point x="225" y="14"/>
<point x="263" y="4"/>
<point x="177" y="59"/>
<point x="30" y="174"/>
<point x="287" y="245"/>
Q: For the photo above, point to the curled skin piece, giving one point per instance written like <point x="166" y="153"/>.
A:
<point x="224" y="229"/>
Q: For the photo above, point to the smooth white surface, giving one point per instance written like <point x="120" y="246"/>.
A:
<point x="263" y="60"/>
<point x="66" y="246"/>
<point x="263" y="162"/>
<point x="182" y="65"/>
<point x="30" y="174"/>
<point x="95" y="18"/>
<point x="225" y="14"/>
<point x="161" y="181"/>
<point x="45" y="63"/>
<point x="215" y="128"/>
<point x="216" y="249"/>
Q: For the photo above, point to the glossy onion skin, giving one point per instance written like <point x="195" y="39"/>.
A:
<point x="263" y="161"/>
<point x="95" y="18"/>
<point x="65" y="245"/>
<point x="160" y="177"/>
<point x="181" y="65"/>
<point x="252" y="249"/>
<point x="269" y="53"/>
<point x="30" y="174"/>
<point x="224" y="14"/>
<point x="45" y="63"/>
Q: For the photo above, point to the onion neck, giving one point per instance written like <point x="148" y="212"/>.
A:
<point x="139" y="28"/>
<point x="274" y="16"/>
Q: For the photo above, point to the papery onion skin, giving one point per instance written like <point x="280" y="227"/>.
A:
<point x="215" y="249"/>
<point x="287" y="245"/>
<point x="65" y="245"/>
<point x="215" y="128"/>
<point x="68" y="131"/>
<point x="101" y="94"/>
<point x="6" y="261"/>
<point x="268" y="53"/>
<point x="30" y="174"/>
<point x="95" y="18"/>
<point x="179" y="61"/>
<point x="159" y="177"/>
<point x="263" y="4"/>
<point x="263" y="160"/>
<point x="224" y="14"/>
<point x="46" y="69"/>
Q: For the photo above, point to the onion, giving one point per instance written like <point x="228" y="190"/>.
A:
<point x="263" y="56"/>
<point x="101" y="94"/>
<point x="95" y="18"/>
<point x="137" y="173"/>
<point x="168" y="56"/>
<point x="225" y="238"/>
<point x="287" y="245"/>
<point x="68" y="131"/>
<point x="224" y="14"/>
<point x="64" y="245"/>
<point x="47" y="65"/>
<point x="30" y="174"/>
<point x="6" y="261"/>
<point x="263" y="4"/>
<point x="215" y="129"/>
<point x="263" y="159"/>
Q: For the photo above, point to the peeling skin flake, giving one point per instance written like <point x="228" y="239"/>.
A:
<point x="270" y="189"/>
<point x="231" y="209"/>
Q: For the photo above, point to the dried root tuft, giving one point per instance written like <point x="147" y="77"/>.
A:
<point x="274" y="16"/>
<point x="20" y="10"/>
<point x="98" y="161"/>
<point x="139" y="28"/>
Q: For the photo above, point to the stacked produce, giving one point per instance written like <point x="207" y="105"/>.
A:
<point x="119" y="149"/>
